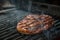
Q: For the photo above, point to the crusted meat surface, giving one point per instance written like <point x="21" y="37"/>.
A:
<point x="33" y="24"/>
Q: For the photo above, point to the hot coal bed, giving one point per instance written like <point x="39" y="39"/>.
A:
<point x="9" y="20"/>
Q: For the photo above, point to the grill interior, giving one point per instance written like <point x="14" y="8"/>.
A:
<point x="8" y="23"/>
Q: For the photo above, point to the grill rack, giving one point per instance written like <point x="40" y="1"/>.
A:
<point x="8" y="30"/>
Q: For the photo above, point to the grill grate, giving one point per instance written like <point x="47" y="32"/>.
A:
<point x="8" y="30"/>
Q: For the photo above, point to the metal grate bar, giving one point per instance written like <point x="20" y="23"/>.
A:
<point x="7" y="29"/>
<point x="5" y="26"/>
<point x="19" y="36"/>
<point x="8" y="34"/>
<point x="5" y="33"/>
<point x="11" y="37"/>
<point x="57" y="24"/>
<point x="1" y="25"/>
<point x="33" y="37"/>
<point x="26" y="37"/>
